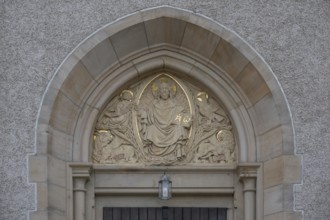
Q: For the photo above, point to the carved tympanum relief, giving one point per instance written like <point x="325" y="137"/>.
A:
<point x="163" y="121"/>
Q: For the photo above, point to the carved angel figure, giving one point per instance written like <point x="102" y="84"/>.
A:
<point x="209" y="110"/>
<point x="165" y="123"/>
<point x="118" y="116"/>
<point x="116" y="143"/>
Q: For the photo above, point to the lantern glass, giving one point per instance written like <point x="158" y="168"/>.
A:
<point x="164" y="188"/>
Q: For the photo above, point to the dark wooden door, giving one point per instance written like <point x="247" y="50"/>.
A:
<point x="164" y="213"/>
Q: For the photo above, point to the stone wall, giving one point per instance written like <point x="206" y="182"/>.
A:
<point x="293" y="37"/>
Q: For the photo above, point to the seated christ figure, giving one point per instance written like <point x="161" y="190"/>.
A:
<point x="165" y="124"/>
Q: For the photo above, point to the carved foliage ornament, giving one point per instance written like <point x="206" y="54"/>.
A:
<point x="163" y="121"/>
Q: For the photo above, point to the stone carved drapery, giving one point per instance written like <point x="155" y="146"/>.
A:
<point x="163" y="121"/>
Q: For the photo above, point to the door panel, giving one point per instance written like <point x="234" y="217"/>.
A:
<point x="134" y="214"/>
<point x="186" y="214"/>
<point x="178" y="214"/>
<point x="195" y="214"/>
<point x="164" y="213"/>
<point x="213" y="212"/>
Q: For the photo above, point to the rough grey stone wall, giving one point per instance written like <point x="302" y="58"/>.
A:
<point x="292" y="36"/>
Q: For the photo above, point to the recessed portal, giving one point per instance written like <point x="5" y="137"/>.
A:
<point x="86" y="161"/>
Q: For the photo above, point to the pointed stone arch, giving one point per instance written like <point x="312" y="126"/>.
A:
<point x="191" y="47"/>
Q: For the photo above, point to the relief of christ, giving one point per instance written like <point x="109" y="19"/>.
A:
<point x="165" y="123"/>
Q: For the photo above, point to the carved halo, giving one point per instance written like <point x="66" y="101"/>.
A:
<point x="129" y="92"/>
<point x="156" y="84"/>
<point x="200" y="94"/>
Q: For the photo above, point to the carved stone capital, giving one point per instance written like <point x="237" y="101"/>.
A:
<point x="80" y="174"/>
<point x="248" y="171"/>
<point x="81" y="170"/>
<point x="247" y="175"/>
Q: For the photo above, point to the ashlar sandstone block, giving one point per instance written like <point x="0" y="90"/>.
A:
<point x="284" y="216"/>
<point x="282" y="170"/>
<point x="38" y="168"/>
<point x="199" y="40"/>
<point x="229" y="59"/>
<point x="165" y="30"/>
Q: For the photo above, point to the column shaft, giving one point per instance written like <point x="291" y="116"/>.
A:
<point x="249" y="189"/>
<point x="79" y="192"/>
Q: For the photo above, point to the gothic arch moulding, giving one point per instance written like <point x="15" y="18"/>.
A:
<point x="185" y="46"/>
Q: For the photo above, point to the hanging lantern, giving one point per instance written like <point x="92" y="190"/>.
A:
<point x="164" y="187"/>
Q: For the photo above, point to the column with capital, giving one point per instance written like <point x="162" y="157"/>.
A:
<point x="80" y="176"/>
<point x="248" y="176"/>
